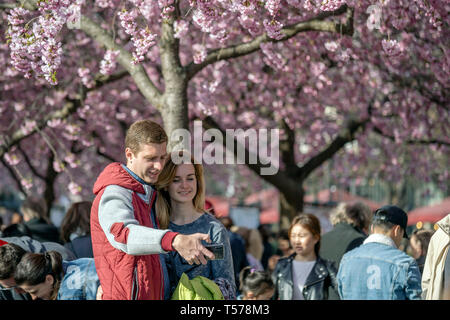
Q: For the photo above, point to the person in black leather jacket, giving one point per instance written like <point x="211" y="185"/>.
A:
<point x="304" y="275"/>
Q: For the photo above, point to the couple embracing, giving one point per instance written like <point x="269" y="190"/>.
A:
<point x="148" y="223"/>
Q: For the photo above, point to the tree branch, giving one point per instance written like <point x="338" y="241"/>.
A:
<point x="28" y="161"/>
<point x="346" y="135"/>
<point x="7" y="5"/>
<point x="70" y="107"/>
<point x="314" y="24"/>
<point x="13" y="174"/>
<point x="145" y="85"/>
<point x="412" y="141"/>
<point x="281" y="180"/>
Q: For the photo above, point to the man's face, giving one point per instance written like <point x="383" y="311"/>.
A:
<point x="148" y="162"/>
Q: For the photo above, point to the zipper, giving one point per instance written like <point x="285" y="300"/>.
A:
<point x="135" y="285"/>
<point x="161" y="293"/>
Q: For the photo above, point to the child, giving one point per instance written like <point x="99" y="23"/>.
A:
<point x="255" y="285"/>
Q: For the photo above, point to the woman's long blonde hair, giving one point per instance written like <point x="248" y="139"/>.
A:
<point x="166" y="177"/>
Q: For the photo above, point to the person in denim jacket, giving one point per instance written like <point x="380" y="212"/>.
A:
<point x="378" y="270"/>
<point x="46" y="276"/>
<point x="181" y="198"/>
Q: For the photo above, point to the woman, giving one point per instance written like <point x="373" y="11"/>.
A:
<point x="419" y="241"/>
<point x="46" y="276"/>
<point x="180" y="206"/>
<point x="304" y="275"/>
<point x="76" y="229"/>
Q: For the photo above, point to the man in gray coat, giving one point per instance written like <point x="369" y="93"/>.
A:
<point x="349" y="220"/>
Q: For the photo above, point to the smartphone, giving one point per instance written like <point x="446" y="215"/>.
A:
<point x="217" y="249"/>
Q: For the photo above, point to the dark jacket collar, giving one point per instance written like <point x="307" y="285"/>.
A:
<point x="318" y="273"/>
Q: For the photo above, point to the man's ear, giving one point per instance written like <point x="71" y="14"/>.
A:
<point x="397" y="230"/>
<point x="128" y="154"/>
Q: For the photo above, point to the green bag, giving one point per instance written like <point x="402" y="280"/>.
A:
<point x="199" y="288"/>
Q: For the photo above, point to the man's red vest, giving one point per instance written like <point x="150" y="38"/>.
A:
<point x="123" y="276"/>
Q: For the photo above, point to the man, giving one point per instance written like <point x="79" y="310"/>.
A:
<point x="11" y="250"/>
<point x="348" y="220"/>
<point x="436" y="272"/>
<point x="10" y="255"/>
<point x="126" y="239"/>
<point x="377" y="270"/>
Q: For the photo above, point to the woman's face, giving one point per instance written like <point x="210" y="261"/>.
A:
<point x="283" y="244"/>
<point x="266" y="295"/>
<point x="184" y="186"/>
<point x="302" y="240"/>
<point x="42" y="290"/>
<point x="415" y="246"/>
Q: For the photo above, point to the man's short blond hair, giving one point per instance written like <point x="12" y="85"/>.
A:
<point x="144" y="132"/>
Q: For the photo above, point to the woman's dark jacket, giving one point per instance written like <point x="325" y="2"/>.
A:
<point x="42" y="231"/>
<point x="321" y="280"/>
<point x="81" y="247"/>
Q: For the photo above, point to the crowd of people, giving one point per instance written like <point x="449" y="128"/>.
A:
<point x="149" y="233"/>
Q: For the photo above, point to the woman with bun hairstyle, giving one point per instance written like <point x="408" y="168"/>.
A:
<point x="47" y="276"/>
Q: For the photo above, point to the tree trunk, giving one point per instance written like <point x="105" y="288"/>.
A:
<point x="291" y="204"/>
<point x="50" y="177"/>
<point x="175" y="115"/>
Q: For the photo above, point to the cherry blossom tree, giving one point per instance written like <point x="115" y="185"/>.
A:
<point x="361" y="81"/>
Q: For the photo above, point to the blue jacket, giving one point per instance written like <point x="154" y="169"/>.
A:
<point x="80" y="281"/>
<point x="377" y="270"/>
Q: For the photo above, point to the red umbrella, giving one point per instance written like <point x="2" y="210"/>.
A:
<point x="432" y="213"/>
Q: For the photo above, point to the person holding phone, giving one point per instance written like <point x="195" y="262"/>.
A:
<point x="181" y="200"/>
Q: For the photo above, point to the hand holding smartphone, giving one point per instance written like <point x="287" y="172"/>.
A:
<point x="217" y="249"/>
